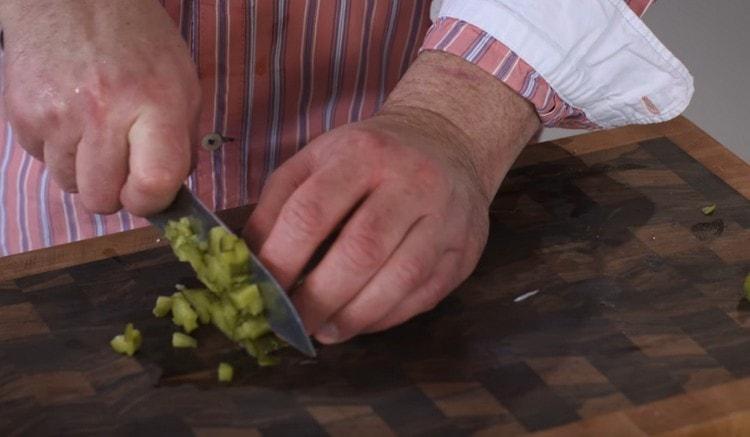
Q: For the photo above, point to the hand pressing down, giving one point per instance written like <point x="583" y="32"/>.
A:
<point x="409" y="190"/>
<point x="105" y="93"/>
<point x="415" y="218"/>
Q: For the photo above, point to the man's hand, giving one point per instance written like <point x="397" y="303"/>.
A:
<point x="411" y="186"/>
<point x="105" y="94"/>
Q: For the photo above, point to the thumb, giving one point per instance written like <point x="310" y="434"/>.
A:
<point x="160" y="155"/>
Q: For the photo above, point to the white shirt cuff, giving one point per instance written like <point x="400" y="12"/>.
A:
<point x="596" y="54"/>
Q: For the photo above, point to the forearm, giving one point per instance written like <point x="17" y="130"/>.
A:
<point x="463" y="103"/>
<point x="18" y="16"/>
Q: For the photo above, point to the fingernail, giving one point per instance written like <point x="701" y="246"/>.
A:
<point x="328" y="333"/>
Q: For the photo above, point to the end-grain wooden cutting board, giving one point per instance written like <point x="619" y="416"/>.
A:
<point x="638" y="325"/>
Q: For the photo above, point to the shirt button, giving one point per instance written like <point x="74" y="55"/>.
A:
<point x="212" y="141"/>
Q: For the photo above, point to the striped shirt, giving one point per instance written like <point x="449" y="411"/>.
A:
<point x="274" y="75"/>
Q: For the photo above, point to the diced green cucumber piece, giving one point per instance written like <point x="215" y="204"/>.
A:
<point x="191" y="254"/>
<point x="225" y="372"/>
<point x="241" y="253"/>
<point x="122" y="346"/>
<point x="200" y="299"/>
<point x="163" y="306"/>
<point x="180" y="340"/>
<point x="252" y="328"/>
<point x="249" y="346"/>
<point x="127" y="343"/>
<point x="183" y="314"/>
<point x="228" y="240"/>
<point x="708" y="210"/>
<point x="133" y="335"/>
<point x="247" y="299"/>
<point x="268" y="344"/>
<point x="241" y="280"/>
<point x="262" y="348"/>
<point x="224" y="316"/>
<point x="218" y="273"/>
<point x="214" y="239"/>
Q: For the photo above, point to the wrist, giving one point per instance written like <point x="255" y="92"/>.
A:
<point x="441" y="135"/>
<point x="461" y="103"/>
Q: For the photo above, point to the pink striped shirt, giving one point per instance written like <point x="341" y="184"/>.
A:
<point x="274" y="75"/>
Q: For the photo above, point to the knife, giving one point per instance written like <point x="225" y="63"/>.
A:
<point x="281" y="314"/>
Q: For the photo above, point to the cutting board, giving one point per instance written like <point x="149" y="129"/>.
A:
<point x="632" y="322"/>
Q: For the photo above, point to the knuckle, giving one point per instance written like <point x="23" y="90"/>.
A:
<point x="348" y="324"/>
<point x="369" y="139"/>
<point x="432" y="295"/>
<point x="410" y="273"/>
<point x="305" y="217"/>
<point x="156" y="182"/>
<point x="25" y="117"/>
<point x="99" y="85"/>
<point x="61" y="167"/>
<point x="66" y="184"/>
<point x="362" y="250"/>
<point x="64" y="177"/>
<point x="100" y="202"/>
<point x="367" y="143"/>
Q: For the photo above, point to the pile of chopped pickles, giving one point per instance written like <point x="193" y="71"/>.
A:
<point x="231" y="301"/>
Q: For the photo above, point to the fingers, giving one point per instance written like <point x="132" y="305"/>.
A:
<point x="159" y="162"/>
<point x="61" y="162"/>
<point x="101" y="169"/>
<point x="406" y="270"/>
<point x="60" y="151"/>
<point x="33" y="146"/>
<point x="366" y="242"/>
<point x="282" y="183"/>
<point x="30" y="142"/>
<point x="308" y="216"/>
<point x="444" y="278"/>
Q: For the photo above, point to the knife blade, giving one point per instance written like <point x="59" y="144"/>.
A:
<point x="281" y="314"/>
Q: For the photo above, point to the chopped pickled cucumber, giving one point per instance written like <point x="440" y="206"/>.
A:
<point x="214" y="240"/>
<point x="225" y="372"/>
<point x="122" y="346"/>
<point x="228" y="241"/>
<point x="224" y="317"/>
<point x="241" y="261"/>
<point x="262" y="348"/>
<point x="269" y="344"/>
<point x="127" y="343"/>
<point x="163" y="306"/>
<point x="231" y="301"/>
<point x="183" y="314"/>
<point x="252" y="328"/>
<point x="708" y="210"/>
<point x="247" y="299"/>
<point x="219" y="274"/>
<point x="180" y="340"/>
<point x="268" y="360"/>
<point x="200" y="299"/>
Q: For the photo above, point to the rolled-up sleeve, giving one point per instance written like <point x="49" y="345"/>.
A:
<point x="581" y="63"/>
